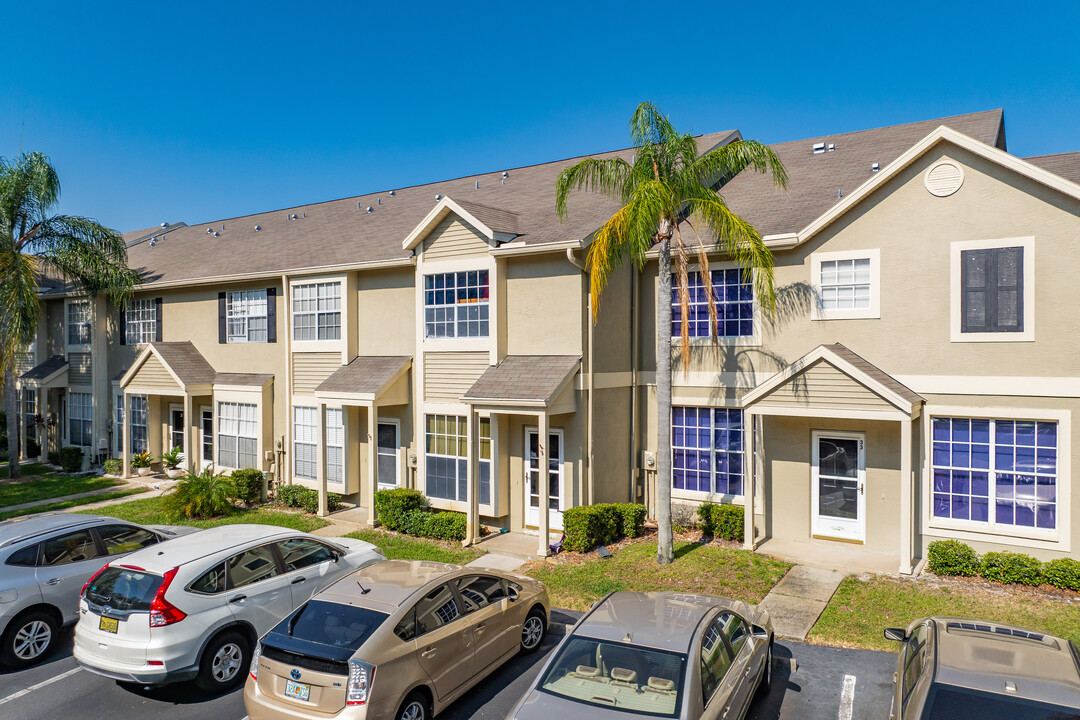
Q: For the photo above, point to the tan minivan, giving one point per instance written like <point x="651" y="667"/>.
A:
<point x="399" y="640"/>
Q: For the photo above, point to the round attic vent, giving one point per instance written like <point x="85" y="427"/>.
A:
<point x="944" y="178"/>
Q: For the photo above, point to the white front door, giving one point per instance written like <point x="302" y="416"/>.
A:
<point x="555" y="479"/>
<point x="176" y="427"/>
<point x="838" y="486"/>
<point x="388" y="454"/>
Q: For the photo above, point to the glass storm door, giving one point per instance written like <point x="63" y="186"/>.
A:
<point x="207" y="437"/>
<point x="176" y="428"/>
<point x="839" y="486"/>
<point x="388" y="454"/>
<point x="555" y="480"/>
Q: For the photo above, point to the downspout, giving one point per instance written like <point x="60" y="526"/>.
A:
<point x="286" y="296"/>
<point x="635" y="282"/>
<point x="591" y="376"/>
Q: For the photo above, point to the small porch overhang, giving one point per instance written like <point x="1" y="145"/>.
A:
<point x="169" y="368"/>
<point x="369" y="379"/>
<point x="49" y="374"/>
<point x="496" y="224"/>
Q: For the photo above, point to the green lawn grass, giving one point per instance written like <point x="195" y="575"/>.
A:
<point x="861" y="609"/>
<point x="44" y="487"/>
<point x="403" y="547"/>
<point x="150" y="511"/>
<point x="26" y="470"/>
<point x="709" y="569"/>
<point x="52" y="507"/>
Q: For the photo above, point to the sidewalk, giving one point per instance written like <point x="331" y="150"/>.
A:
<point x="797" y="601"/>
<point x="76" y="496"/>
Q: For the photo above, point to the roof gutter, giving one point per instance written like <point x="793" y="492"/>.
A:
<point x="518" y="247"/>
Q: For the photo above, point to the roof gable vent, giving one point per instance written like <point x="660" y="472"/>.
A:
<point x="943" y="178"/>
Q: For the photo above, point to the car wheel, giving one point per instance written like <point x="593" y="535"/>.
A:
<point x="415" y="707"/>
<point x="766" y="674"/>
<point x="224" y="663"/>
<point x="28" y="639"/>
<point x="532" y="630"/>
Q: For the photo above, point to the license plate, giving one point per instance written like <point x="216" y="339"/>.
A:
<point x="109" y="625"/>
<point x="299" y="691"/>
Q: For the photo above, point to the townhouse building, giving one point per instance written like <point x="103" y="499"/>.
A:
<point x="915" y="380"/>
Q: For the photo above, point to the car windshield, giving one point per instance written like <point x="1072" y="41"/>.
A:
<point x="629" y="678"/>
<point x="954" y="703"/>
<point x="122" y="588"/>
<point x="334" y="624"/>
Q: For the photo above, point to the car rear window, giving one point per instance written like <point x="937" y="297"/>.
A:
<point x="624" y="677"/>
<point x="334" y="624"/>
<point x="122" y="588"/>
<point x="947" y="702"/>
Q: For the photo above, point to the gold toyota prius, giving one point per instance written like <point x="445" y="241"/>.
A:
<point x="399" y="639"/>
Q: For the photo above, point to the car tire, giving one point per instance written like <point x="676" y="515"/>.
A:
<point x="766" y="674"/>
<point x="415" y="706"/>
<point x="533" y="630"/>
<point x="224" y="663"/>
<point x="29" y="638"/>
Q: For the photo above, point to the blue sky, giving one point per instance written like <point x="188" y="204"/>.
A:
<point x="198" y="111"/>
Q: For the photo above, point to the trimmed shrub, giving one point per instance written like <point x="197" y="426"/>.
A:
<point x="438" y="524"/>
<point x="33" y="448"/>
<point x="306" y="499"/>
<point x="722" y="521"/>
<point x="391" y="506"/>
<point x="633" y="519"/>
<point x="113" y="466"/>
<point x="587" y="526"/>
<point x="200" y="496"/>
<point x="1007" y="567"/>
<point x="71" y="459"/>
<point x="54" y="457"/>
<point x="1063" y="573"/>
<point x="249" y="483"/>
<point x="952" y="557"/>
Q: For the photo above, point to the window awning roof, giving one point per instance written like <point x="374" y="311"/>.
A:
<point x="524" y="380"/>
<point x="366" y="379"/>
<point x="51" y="373"/>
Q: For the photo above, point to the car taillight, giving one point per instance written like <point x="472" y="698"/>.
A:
<point x="82" y="593"/>
<point x="254" y="670"/>
<point x="163" y="612"/>
<point x="361" y="674"/>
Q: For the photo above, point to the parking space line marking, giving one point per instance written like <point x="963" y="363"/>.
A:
<point x="847" y="698"/>
<point x="32" y="688"/>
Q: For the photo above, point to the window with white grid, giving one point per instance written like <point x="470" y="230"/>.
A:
<point x="845" y="284"/>
<point x="29" y="410"/>
<point x="305" y="442"/>
<point x="445" y="459"/>
<point x="238" y="438"/>
<point x="80" y="419"/>
<point x="733" y="299"/>
<point x="78" y="322"/>
<point x="139" y="434"/>
<point x="335" y="446"/>
<point x="141" y="320"/>
<point x="316" y="311"/>
<point x="456" y="304"/>
<point x="245" y="316"/>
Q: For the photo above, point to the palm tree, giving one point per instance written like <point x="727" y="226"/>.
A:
<point x="665" y="186"/>
<point x="33" y="242"/>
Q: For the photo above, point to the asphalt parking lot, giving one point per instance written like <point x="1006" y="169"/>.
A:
<point x="59" y="690"/>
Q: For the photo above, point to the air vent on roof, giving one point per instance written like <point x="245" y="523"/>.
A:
<point x="831" y="147"/>
<point x="257" y="228"/>
<point x="438" y="197"/>
<point x="874" y="167"/>
<point x="209" y="230"/>
<point x="153" y="242"/>
<point x="370" y="209"/>
<point x="378" y="201"/>
<point x="393" y="193"/>
<point x="505" y="174"/>
<point x="819" y="148"/>
<point x="222" y="226"/>
<point x="476" y="185"/>
<point x="164" y="225"/>
<point x="216" y="233"/>
<point x="839" y="193"/>
<point x="943" y="178"/>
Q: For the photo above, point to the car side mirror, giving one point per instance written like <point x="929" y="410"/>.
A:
<point x="512" y="594"/>
<point x="760" y="632"/>
<point x="896" y="634"/>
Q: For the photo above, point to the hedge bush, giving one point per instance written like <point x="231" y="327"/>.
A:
<point x="1007" y="567"/>
<point x="722" y="521"/>
<point x="391" y="506"/>
<point x="952" y="557"/>
<point x="249" y="484"/>
<point x="407" y="511"/>
<point x="306" y="499"/>
<point x="587" y="526"/>
<point x="53" y="457"/>
<point x="1063" y="573"/>
<point x="71" y="459"/>
<point x="113" y="466"/>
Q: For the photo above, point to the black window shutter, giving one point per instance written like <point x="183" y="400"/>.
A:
<point x="157" y="319"/>
<point x="222" y="327"/>
<point x="122" y="331"/>
<point x="271" y="315"/>
<point x="974" y="271"/>
<point x="1009" y="289"/>
<point x="992" y="290"/>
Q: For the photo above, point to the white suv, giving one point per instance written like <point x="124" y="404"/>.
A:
<point x="195" y="608"/>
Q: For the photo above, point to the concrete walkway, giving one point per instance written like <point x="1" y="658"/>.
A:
<point x="76" y="496"/>
<point x="797" y="601"/>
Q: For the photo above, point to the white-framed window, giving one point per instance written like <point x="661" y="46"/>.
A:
<point x="733" y="297"/>
<point x="846" y="284"/>
<point x="29" y="411"/>
<point x="335" y="446"/>
<point x="140" y="319"/>
<point x="484" y="481"/>
<point x="81" y="419"/>
<point x="446" y="453"/>
<point x="316" y="311"/>
<point x="992" y="296"/>
<point x="139" y="426"/>
<point x="78" y="322"/>
<point x="245" y="316"/>
<point x="238" y="435"/>
<point x="707" y="450"/>
<point x="305" y="442"/>
<point x="456" y="304"/>
<point x="118" y="423"/>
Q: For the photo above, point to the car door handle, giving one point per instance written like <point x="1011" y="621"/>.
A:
<point x="54" y="581"/>
<point x="429" y="653"/>
<point x="238" y="598"/>
<point x="480" y="627"/>
<point x="298" y="580"/>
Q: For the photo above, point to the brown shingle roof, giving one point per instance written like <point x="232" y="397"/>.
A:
<point x="254" y="379"/>
<point x="45" y="369"/>
<point x="533" y="378"/>
<point x="1067" y="165"/>
<point x="501" y="221"/>
<point x="876" y="373"/>
<point x="365" y="374"/>
<point x="186" y="361"/>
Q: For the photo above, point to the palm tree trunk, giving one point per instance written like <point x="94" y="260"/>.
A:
<point x="664" y="550"/>
<point x="11" y="405"/>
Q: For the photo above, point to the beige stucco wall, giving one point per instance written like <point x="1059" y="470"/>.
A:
<point x="386" y="312"/>
<point x="544" y="296"/>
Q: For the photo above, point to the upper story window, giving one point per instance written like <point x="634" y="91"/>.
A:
<point x="78" y="322"/>
<point x="456" y="304"/>
<point x="316" y="311"/>
<point x="733" y="295"/>
<point x="246" y="316"/>
<point x="141" y="321"/>
<point x="992" y="290"/>
<point x="847" y="284"/>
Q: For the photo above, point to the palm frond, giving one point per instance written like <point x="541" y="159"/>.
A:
<point x="649" y="126"/>
<point x="608" y="177"/>
<point x="727" y="161"/>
